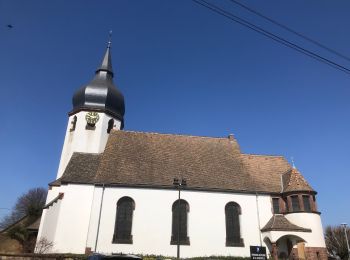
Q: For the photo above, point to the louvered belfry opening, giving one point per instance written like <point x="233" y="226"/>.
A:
<point x="123" y="222"/>
<point x="180" y="211"/>
<point x="233" y="232"/>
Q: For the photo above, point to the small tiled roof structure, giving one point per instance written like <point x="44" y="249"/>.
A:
<point x="294" y="181"/>
<point x="35" y="225"/>
<point x="153" y="160"/>
<point x="280" y="223"/>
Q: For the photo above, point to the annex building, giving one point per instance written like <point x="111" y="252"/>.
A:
<point x="115" y="190"/>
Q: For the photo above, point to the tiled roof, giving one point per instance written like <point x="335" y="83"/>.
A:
<point x="294" y="181"/>
<point x="266" y="171"/>
<point x="153" y="160"/>
<point x="35" y="225"/>
<point x="81" y="168"/>
<point x="20" y="221"/>
<point x="280" y="223"/>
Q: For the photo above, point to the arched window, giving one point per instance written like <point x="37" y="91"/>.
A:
<point x="110" y="125"/>
<point x="233" y="231"/>
<point x="123" y="221"/>
<point x="179" y="223"/>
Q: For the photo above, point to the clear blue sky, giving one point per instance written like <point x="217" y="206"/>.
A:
<point x="182" y="69"/>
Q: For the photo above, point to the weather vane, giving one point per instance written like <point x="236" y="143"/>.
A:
<point x="292" y="159"/>
<point x="109" y="39"/>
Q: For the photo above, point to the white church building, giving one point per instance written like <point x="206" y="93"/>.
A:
<point x="115" y="190"/>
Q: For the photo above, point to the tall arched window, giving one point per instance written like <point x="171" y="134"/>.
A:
<point x="123" y="221"/>
<point x="233" y="231"/>
<point x="179" y="223"/>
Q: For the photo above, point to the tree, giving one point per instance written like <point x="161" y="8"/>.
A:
<point x="43" y="246"/>
<point x="30" y="204"/>
<point x="27" y="209"/>
<point x="336" y="241"/>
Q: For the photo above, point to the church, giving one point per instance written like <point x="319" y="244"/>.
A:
<point x="130" y="192"/>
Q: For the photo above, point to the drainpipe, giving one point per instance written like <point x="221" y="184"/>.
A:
<point x="99" y="217"/>
<point x="258" y="215"/>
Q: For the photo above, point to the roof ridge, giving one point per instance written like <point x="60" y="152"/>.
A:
<point x="88" y="153"/>
<point x="262" y="155"/>
<point x="169" y="134"/>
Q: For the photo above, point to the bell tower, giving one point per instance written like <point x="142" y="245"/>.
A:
<point x="98" y="107"/>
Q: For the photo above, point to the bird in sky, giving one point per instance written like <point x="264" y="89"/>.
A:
<point x="10" y="26"/>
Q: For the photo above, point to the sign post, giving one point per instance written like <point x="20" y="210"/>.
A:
<point x="258" y="253"/>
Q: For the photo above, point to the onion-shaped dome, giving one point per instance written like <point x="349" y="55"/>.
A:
<point x="101" y="94"/>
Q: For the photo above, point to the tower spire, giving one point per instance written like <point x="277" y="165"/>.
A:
<point x="106" y="64"/>
<point x="100" y="94"/>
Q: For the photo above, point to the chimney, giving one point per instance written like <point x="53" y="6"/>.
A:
<point x="231" y="137"/>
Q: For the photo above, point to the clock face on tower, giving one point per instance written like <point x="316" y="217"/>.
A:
<point x="92" y="118"/>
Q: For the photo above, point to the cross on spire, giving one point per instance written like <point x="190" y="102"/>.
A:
<point x="109" y="39"/>
<point x="293" y="165"/>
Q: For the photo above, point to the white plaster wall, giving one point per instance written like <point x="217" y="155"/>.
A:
<point x="78" y="214"/>
<point x="48" y="224"/>
<point x="66" y="222"/>
<point x="73" y="221"/>
<point x="265" y="212"/>
<point x="49" y="217"/>
<point x="313" y="222"/>
<point x="152" y="222"/>
<point x="83" y="140"/>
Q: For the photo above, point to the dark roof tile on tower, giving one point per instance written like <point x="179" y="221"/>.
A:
<point x="101" y="94"/>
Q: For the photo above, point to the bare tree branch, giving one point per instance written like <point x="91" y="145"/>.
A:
<point x="29" y="204"/>
<point x="336" y="241"/>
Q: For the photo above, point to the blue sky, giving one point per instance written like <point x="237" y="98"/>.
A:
<point x="182" y="69"/>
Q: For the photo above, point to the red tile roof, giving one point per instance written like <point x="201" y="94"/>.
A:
<point x="294" y="181"/>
